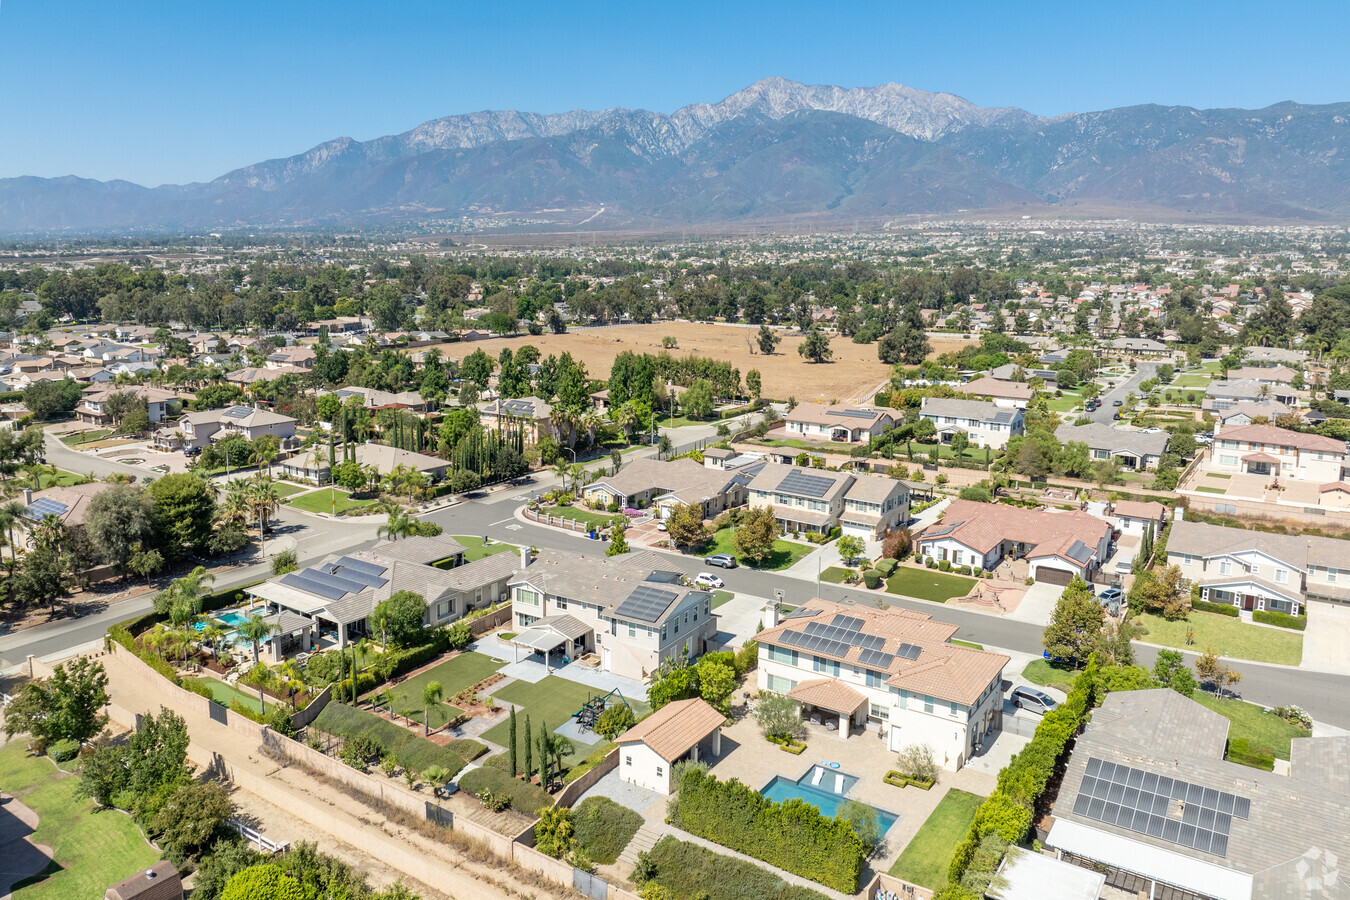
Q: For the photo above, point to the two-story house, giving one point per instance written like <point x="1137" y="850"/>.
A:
<point x="536" y="415"/>
<point x="1256" y="570"/>
<point x="985" y="423"/>
<point x="298" y="356"/>
<point x="814" y="500"/>
<point x="1056" y="545"/>
<point x="1278" y="452"/>
<point x="630" y="610"/>
<point x="893" y="670"/>
<point x="92" y="408"/>
<point x="837" y="422"/>
<point x="1001" y="392"/>
<point x="197" y="429"/>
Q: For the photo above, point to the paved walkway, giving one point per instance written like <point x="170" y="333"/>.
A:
<point x="532" y="671"/>
<point x="624" y="793"/>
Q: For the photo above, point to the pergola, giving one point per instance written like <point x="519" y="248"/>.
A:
<point x="831" y="695"/>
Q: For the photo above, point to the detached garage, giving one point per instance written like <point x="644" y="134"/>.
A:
<point x="679" y="730"/>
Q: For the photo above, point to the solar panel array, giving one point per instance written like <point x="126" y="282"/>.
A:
<point x="518" y="407"/>
<point x="798" y="482"/>
<point x="313" y="582"/>
<point x="801" y="612"/>
<point x="1080" y="551"/>
<point x="851" y="413"/>
<point x="237" y="412"/>
<point x="849" y="636"/>
<point x="853" y="623"/>
<point x="908" y="651"/>
<point x="1143" y="802"/>
<point x="646" y="604"/>
<point x="814" y="643"/>
<point x="45" y="506"/>
<point x="333" y="581"/>
<point x="875" y="659"/>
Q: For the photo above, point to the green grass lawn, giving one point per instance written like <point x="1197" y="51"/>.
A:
<point x="581" y="514"/>
<point x="454" y="674"/>
<point x="721" y="597"/>
<point x="92" y="848"/>
<point x="1043" y="672"/>
<point x="226" y="694"/>
<point x="474" y="548"/>
<point x="928" y="584"/>
<point x="926" y="858"/>
<point x="1211" y="490"/>
<point x="1218" y="475"/>
<point x="834" y="575"/>
<point x="550" y="701"/>
<point x="61" y="479"/>
<point x="1187" y="382"/>
<point x="1255" y="723"/>
<point x="286" y="489"/>
<point x="1065" y="403"/>
<point x="81" y="437"/>
<point x="783" y="554"/>
<point x="321" y="501"/>
<point x="1227" y="636"/>
<point x="967" y="644"/>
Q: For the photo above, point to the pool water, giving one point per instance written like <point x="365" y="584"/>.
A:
<point x="823" y="789"/>
<point x="233" y="618"/>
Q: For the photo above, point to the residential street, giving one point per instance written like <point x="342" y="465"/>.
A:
<point x="1107" y="410"/>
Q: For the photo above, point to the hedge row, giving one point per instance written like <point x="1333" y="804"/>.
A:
<point x="791" y="835"/>
<point x="1284" y="620"/>
<point x="688" y="870"/>
<point x="1223" y="609"/>
<point x="1010" y="809"/>
<point x="412" y="751"/>
<point x="124" y="637"/>
<point x="526" y="797"/>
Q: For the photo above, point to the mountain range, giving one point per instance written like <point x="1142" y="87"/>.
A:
<point x="777" y="151"/>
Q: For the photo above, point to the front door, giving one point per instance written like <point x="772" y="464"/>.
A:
<point x="1248" y="602"/>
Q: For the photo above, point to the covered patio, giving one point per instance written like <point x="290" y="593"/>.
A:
<point x="562" y="634"/>
<point x="833" y="704"/>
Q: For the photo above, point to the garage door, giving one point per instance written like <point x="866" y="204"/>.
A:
<point x="1053" y="576"/>
<point x="861" y="531"/>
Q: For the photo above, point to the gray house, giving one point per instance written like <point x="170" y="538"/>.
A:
<point x="1132" y="449"/>
<point x="985" y="423"/>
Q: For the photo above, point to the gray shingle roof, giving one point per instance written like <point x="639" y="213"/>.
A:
<point x="1296" y="550"/>
<point x="1099" y="436"/>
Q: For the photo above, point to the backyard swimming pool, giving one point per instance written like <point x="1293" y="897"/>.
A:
<point x="823" y="789"/>
<point x="233" y="618"/>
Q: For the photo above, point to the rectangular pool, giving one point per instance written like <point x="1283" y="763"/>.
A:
<point x="823" y="788"/>
<point x="233" y="618"/>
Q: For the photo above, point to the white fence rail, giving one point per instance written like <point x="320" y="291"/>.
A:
<point x="265" y="844"/>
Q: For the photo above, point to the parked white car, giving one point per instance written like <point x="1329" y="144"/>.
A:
<point x="708" y="580"/>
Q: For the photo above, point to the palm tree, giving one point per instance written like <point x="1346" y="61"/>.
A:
<point x="234" y="509"/>
<point x="211" y="634"/>
<point x="255" y="630"/>
<point x="625" y="416"/>
<point x="263" y="500"/>
<point x="400" y="524"/>
<point x="265" y="453"/>
<point x="562" y="470"/>
<point x="11" y="514"/>
<point x="430" y="694"/>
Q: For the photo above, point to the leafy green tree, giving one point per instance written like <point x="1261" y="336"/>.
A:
<point x="119" y="518"/>
<point x="67" y="706"/>
<point x="673" y="680"/>
<point x="754" y="383"/>
<point x="265" y="882"/>
<point x="778" y="716"/>
<point x="716" y="683"/>
<point x="960" y="443"/>
<point x="850" y="547"/>
<point x="45" y="399"/>
<point x="614" y="721"/>
<point x="44" y="577"/>
<point x="685" y="525"/>
<point x="767" y="339"/>
<point x="698" y="399"/>
<point x="184" y="512"/>
<point x="1171" y="670"/>
<point x="1075" y="625"/>
<point x="816" y="347"/>
<point x="863" y="819"/>
<point x="403" y="614"/>
<point x="226" y="857"/>
<point x="191" y="818"/>
<point x="618" y="543"/>
<point x="756" y="533"/>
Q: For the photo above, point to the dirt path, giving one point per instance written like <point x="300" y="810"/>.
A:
<point x="320" y="812"/>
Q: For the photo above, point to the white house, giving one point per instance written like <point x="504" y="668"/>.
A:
<point x="837" y="422"/>
<point x="1270" y="451"/>
<point x="985" y="423"/>
<point x="1136" y="518"/>
<point x="682" y="729"/>
<point x="892" y="670"/>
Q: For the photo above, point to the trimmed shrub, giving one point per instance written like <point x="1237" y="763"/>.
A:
<point x="62" y="750"/>
<point x="237" y="706"/>
<point x="411" y="750"/>
<point x="1283" y="620"/>
<point x="791" y="835"/>
<point x="573" y="773"/>
<point x="887" y="567"/>
<point x="871" y="578"/>
<point x="963" y="570"/>
<point x="197" y="686"/>
<point x="526" y="797"/>
<point x="1223" y="609"/>
<point x="688" y="870"/>
<point x="945" y="565"/>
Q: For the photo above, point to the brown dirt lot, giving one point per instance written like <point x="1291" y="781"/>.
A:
<point x="854" y="373"/>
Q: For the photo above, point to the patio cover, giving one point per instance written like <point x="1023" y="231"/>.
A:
<point x="287" y="597"/>
<point x="542" y="639"/>
<point x="829" y="694"/>
<point x="1260" y="458"/>
<point x="1151" y="862"/>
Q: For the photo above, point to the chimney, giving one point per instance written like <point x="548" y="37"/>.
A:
<point x="524" y="557"/>
<point x="771" y="613"/>
<point x="27" y="496"/>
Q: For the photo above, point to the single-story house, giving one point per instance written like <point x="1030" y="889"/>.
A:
<point x="1132" y="449"/>
<point x="682" y="729"/>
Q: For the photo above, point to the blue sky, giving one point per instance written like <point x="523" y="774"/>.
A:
<point x="161" y="91"/>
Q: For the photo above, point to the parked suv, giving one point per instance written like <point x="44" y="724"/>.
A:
<point x="721" y="560"/>
<point x="1030" y="699"/>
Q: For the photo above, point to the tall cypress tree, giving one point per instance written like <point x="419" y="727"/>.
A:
<point x="529" y="747"/>
<point x="511" y="743"/>
<point x="543" y="755"/>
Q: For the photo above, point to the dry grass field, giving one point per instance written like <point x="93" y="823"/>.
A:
<point x="854" y="374"/>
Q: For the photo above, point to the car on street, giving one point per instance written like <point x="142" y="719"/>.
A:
<point x="721" y="560"/>
<point x="708" y="580"/>
<point x="1032" y="700"/>
<point x="1117" y="402"/>
<point x="661" y="525"/>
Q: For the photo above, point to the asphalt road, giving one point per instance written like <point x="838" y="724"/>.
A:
<point x="1107" y="410"/>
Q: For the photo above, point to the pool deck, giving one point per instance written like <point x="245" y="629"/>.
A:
<point x="754" y="761"/>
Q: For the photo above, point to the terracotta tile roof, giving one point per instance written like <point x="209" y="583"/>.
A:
<point x="674" y="728"/>
<point x="1133" y="509"/>
<point x="991" y="387"/>
<point x="828" y="693"/>
<point x="839" y="414"/>
<point x="1334" y="486"/>
<point x="1260" y="458"/>
<point x="1281" y="437"/>
<point x="942" y="670"/>
<point x="983" y="526"/>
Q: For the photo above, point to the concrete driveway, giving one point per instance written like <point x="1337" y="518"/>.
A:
<point x="1326" y="638"/>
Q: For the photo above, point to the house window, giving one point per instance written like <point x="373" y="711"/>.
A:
<point x="1331" y="575"/>
<point x="527" y="596"/>
<point x="443" y="609"/>
<point x="777" y="684"/>
<point x="632" y="630"/>
<point x="827" y="666"/>
<point x="628" y="760"/>
<point x="1226" y="567"/>
<point x="927" y="704"/>
<point x="560" y="602"/>
<point x="953" y="707"/>
<point x="782" y="655"/>
<point x="1255" y="569"/>
<point x="876" y="679"/>
<point x="956" y="557"/>
<point x="663" y="632"/>
<point x="1281" y="576"/>
<point x="660" y="771"/>
<point x="877" y="711"/>
<point x="1188" y="558"/>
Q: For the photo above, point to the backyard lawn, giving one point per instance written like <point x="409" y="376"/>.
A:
<point x="928" y="855"/>
<point x="61" y="479"/>
<point x="321" y="501"/>
<point x="783" y="554"/>
<point x="224" y="694"/>
<point x="475" y="549"/>
<point x="1065" y="403"/>
<point x="91" y="849"/>
<point x="454" y="674"/>
<point x="928" y="584"/>
<point x="1227" y="636"/>
<point x="1257" y="724"/>
<point x="1211" y="490"/>
<point x="590" y="517"/>
<point x="552" y="702"/>
<point x="1182" y="382"/>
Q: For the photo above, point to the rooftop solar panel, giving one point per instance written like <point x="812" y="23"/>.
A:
<point x="645" y="604"/>
<point x="801" y="613"/>
<point x="306" y="582"/>
<point x="908" y="651"/>
<point x="45" y="506"/>
<point x="798" y="482"/>
<point x="876" y="659"/>
<point x="237" y="412"/>
<point x="852" y="623"/>
<point x="852" y="413"/>
<point x="362" y="565"/>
